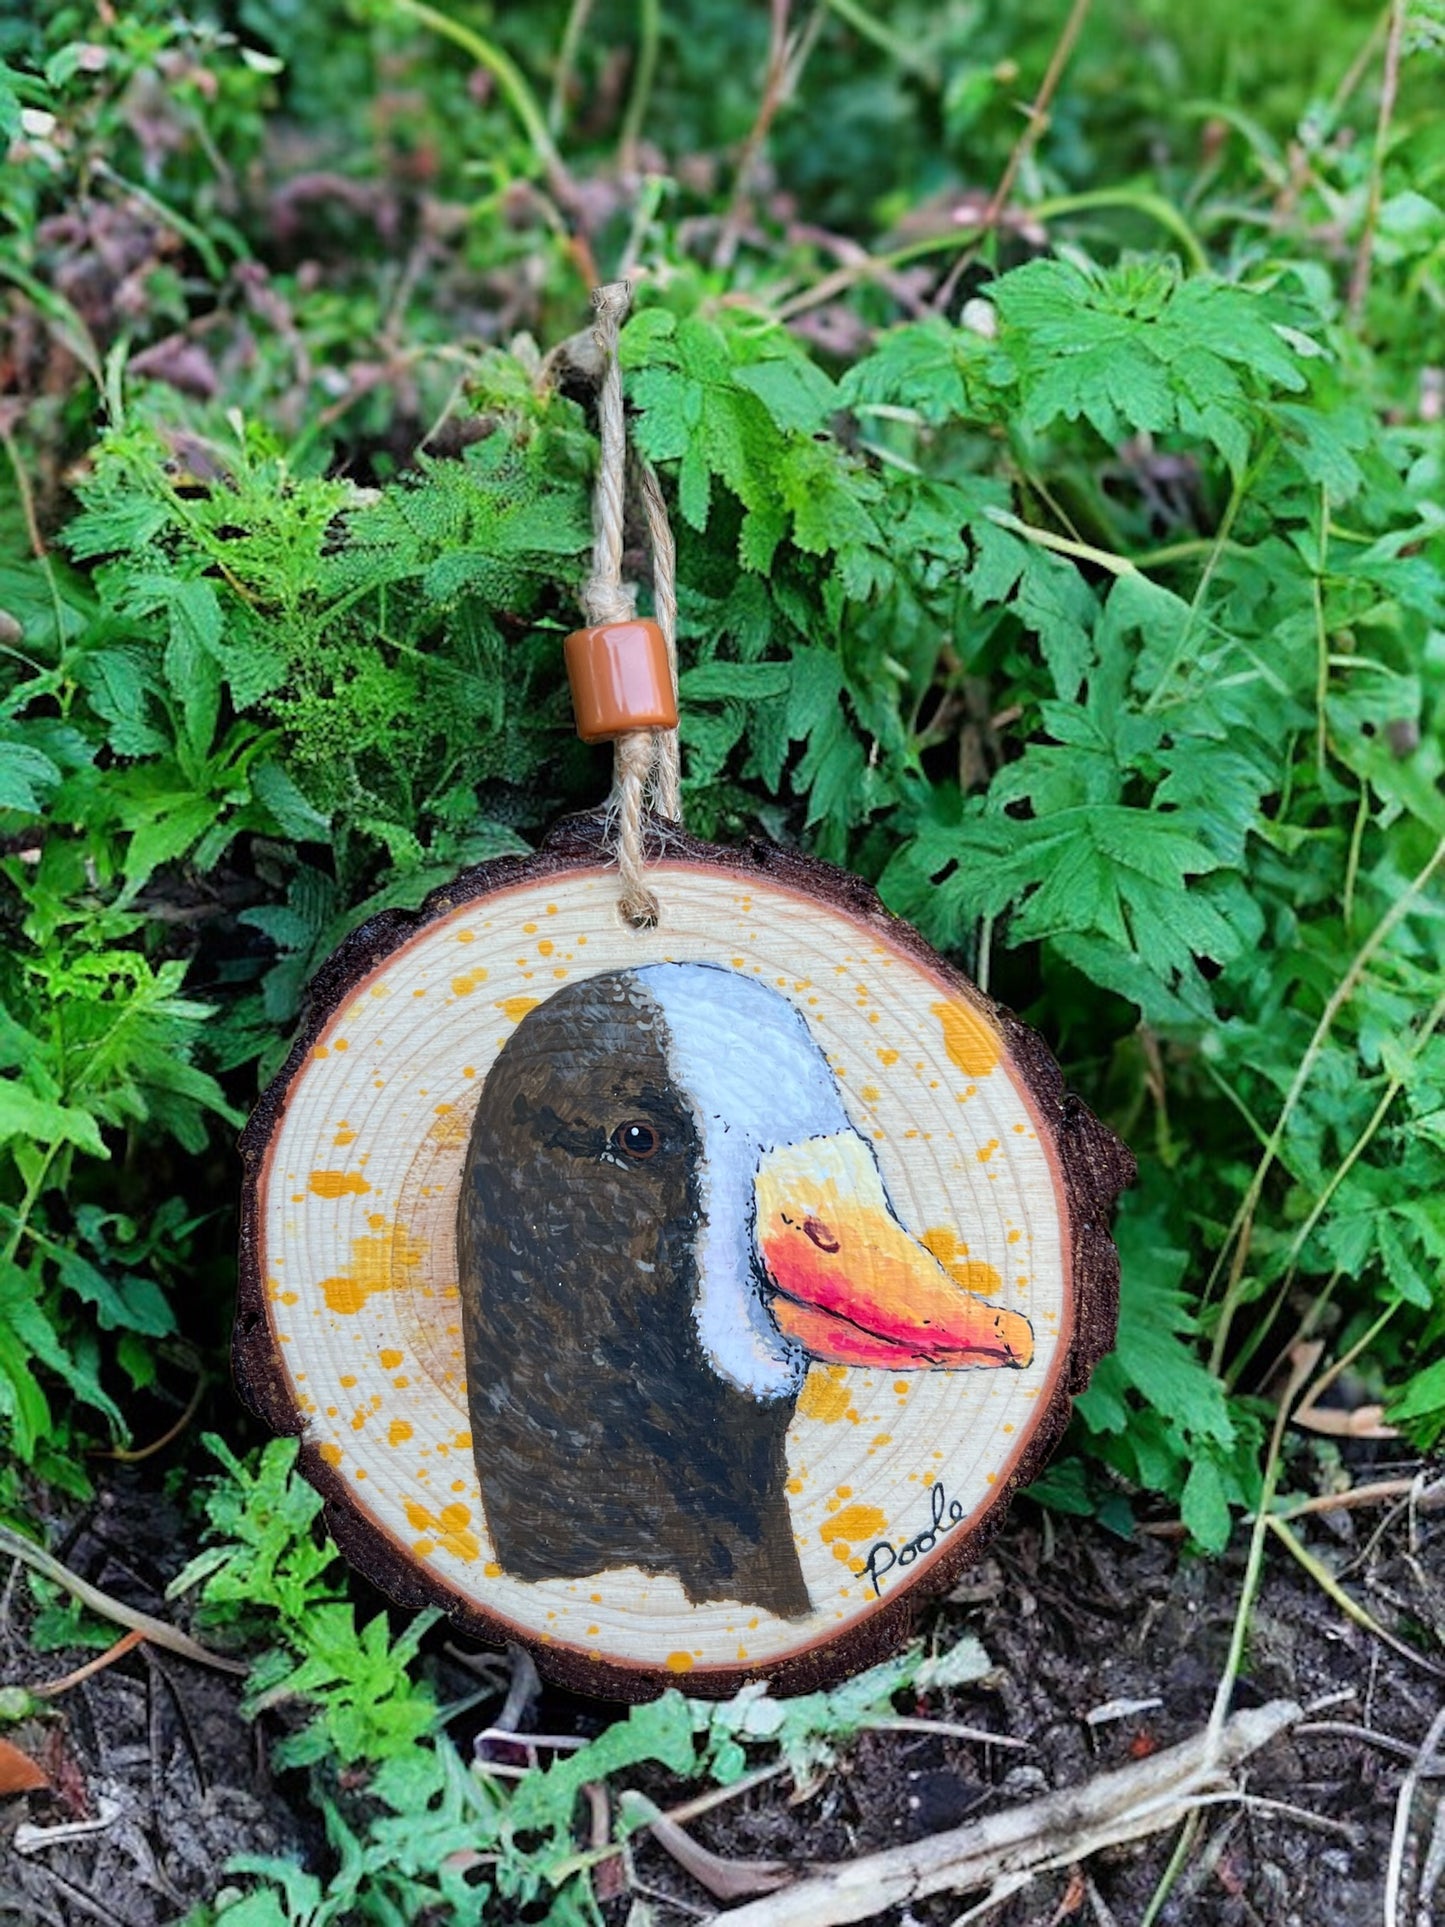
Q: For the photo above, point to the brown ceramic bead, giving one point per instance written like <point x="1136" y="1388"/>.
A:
<point x="620" y="679"/>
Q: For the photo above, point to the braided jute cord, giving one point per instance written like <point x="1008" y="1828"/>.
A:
<point x="645" y="762"/>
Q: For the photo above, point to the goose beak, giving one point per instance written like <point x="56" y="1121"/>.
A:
<point x="853" y="1287"/>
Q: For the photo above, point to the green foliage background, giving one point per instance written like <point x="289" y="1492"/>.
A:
<point x="1078" y="580"/>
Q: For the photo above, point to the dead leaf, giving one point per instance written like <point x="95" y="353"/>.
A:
<point x="18" y="1772"/>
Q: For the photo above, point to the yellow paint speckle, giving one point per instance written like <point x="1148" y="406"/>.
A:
<point x="986" y="1151"/>
<point x="337" y="1184"/>
<point x="376" y="1265"/>
<point x="331" y="1453"/>
<point x="463" y="986"/>
<point x="887" y="1058"/>
<point x="825" y="1395"/>
<point x="399" y="1432"/>
<point x="448" y="1128"/>
<point x="514" y="1009"/>
<point x="466" y="936"/>
<point x="853" y="1522"/>
<point x="972" y="1273"/>
<point x="967" y="1038"/>
<point x="450" y="1527"/>
<point x="679" y="1662"/>
<point x="390" y="1359"/>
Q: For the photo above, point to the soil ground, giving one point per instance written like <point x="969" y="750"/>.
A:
<point x="1075" y="1620"/>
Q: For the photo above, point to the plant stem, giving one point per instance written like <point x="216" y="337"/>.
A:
<point x="649" y="23"/>
<point x="868" y="27"/>
<point x="32" y="530"/>
<point x="1339" y="997"/>
<point x="1389" y="89"/>
<point x="1254" y="1562"/>
<point x="877" y="267"/>
<point x="512" y="82"/>
<point x="1322" y="641"/>
<point x="577" y="18"/>
<point x="1206" y="576"/>
<point x="775" y="86"/>
<point x="1349" y="1606"/>
<point x="1062" y="545"/>
<point x="1336" y="1179"/>
<point x="1035" y="123"/>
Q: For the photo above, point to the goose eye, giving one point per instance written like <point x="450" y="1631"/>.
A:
<point x="636" y="1140"/>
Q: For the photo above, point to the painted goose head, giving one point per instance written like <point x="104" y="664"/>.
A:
<point x="665" y="1215"/>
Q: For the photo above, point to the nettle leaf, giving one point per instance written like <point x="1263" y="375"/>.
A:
<point x="1325" y="444"/>
<point x="1046" y="593"/>
<point x="1139" y="348"/>
<point x="26" y="1114"/>
<point x="733" y="400"/>
<point x="297" y="817"/>
<point x="127" y="1303"/>
<point x="795" y="391"/>
<point x="1156" y="1366"/>
<point x="25" y="773"/>
<point x="121" y="685"/>
<point x="943" y="373"/>
<point x="1420" y="1405"/>
<point x="1098" y="869"/>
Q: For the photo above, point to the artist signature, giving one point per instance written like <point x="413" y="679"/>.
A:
<point x="947" y="1513"/>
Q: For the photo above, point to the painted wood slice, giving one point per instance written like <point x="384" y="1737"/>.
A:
<point x="685" y="1303"/>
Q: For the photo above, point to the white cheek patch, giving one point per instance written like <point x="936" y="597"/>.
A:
<point x="746" y="1061"/>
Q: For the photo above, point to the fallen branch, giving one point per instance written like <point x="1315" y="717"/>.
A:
<point x="1009" y="1848"/>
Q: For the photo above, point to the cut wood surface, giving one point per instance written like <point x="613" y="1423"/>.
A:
<point x="685" y="1303"/>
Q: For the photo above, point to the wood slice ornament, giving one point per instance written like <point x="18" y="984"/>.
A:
<point x="682" y="1295"/>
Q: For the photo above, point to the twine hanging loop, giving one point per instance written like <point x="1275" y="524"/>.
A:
<point x="646" y="762"/>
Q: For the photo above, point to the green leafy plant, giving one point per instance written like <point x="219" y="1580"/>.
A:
<point x="411" y="1824"/>
<point x="1067" y="560"/>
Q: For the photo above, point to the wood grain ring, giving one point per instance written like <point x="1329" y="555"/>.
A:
<point x="1087" y="1165"/>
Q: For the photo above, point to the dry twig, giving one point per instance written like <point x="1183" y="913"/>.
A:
<point x="155" y="1630"/>
<point x="1428" y="1760"/>
<point x="1034" y="125"/>
<point x="1007" y="1849"/>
